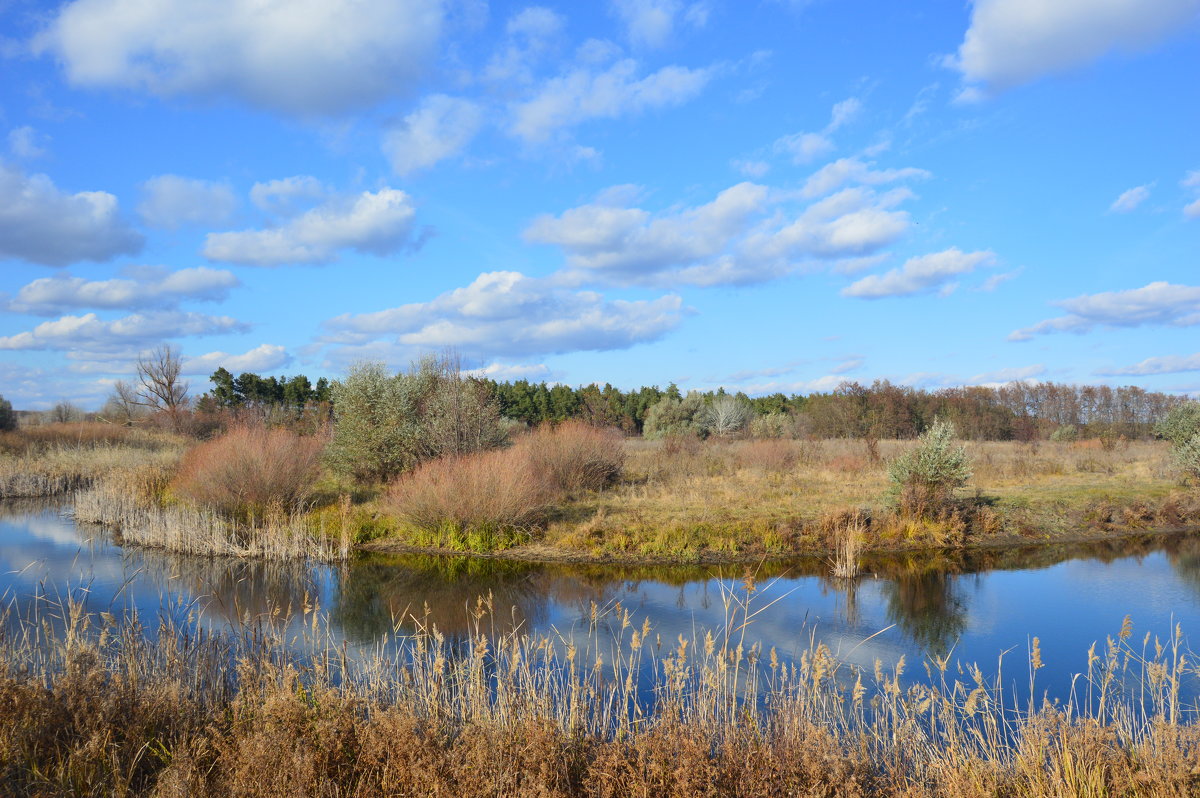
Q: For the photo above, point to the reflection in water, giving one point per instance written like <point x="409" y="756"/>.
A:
<point x="976" y="603"/>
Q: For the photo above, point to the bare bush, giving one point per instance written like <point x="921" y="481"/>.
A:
<point x="574" y="456"/>
<point x="490" y="492"/>
<point x="251" y="469"/>
<point x="725" y="415"/>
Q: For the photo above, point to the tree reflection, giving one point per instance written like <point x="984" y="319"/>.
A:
<point x="928" y="607"/>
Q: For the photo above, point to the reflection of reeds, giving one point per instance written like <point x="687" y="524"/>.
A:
<point x="95" y="701"/>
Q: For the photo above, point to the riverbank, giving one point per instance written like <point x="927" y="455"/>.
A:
<point x="745" y="501"/>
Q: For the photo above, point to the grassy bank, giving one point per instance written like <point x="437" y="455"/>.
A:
<point x="687" y="500"/>
<point x="96" y="706"/>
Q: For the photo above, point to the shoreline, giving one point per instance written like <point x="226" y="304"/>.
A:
<point x="542" y="553"/>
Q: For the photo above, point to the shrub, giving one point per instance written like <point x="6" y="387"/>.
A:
<point x="8" y="419"/>
<point x="725" y="415"/>
<point x="472" y="501"/>
<point x="1067" y="433"/>
<point x="773" y="425"/>
<point x="387" y="424"/>
<point x="250" y="470"/>
<point x="1181" y="424"/>
<point x="668" y="417"/>
<point x="925" y="478"/>
<point x="574" y="456"/>
<point x="1187" y="456"/>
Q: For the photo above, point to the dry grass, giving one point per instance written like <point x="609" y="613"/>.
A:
<point x="58" y="465"/>
<point x="250" y="470"/>
<point x="131" y="505"/>
<point x="95" y="706"/>
<point x="692" y="499"/>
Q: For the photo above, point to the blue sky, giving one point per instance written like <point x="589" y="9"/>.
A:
<point x="764" y="195"/>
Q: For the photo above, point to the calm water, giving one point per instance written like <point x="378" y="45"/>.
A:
<point x="978" y="606"/>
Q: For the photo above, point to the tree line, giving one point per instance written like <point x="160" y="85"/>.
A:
<point x="1016" y="411"/>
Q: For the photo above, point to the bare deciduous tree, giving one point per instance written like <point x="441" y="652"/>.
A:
<point x="123" y="404"/>
<point x="160" y="385"/>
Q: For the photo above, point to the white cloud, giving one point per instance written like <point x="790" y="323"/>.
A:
<point x="1130" y="199"/>
<point x="824" y="384"/>
<point x="834" y="175"/>
<point x="583" y="94"/>
<point x="804" y="147"/>
<point x="501" y="372"/>
<point x="807" y="147"/>
<point x="50" y="295"/>
<point x="743" y="236"/>
<point x="755" y="169"/>
<point x="285" y="194"/>
<point x="997" y="280"/>
<point x="504" y="314"/>
<point x="919" y="275"/>
<point x="1164" y="364"/>
<point x="25" y="142"/>
<point x="438" y="129"/>
<point x="262" y="358"/>
<point x="1010" y="42"/>
<point x="532" y="34"/>
<point x="306" y="57"/>
<point x="379" y="223"/>
<point x="91" y="333"/>
<point x="1158" y="303"/>
<point x="650" y="23"/>
<point x="170" y="201"/>
<point x="1192" y="180"/>
<point x="1000" y="377"/>
<point x="41" y="224"/>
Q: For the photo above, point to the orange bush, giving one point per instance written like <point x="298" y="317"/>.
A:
<point x="496" y="490"/>
<point x="250" y="469"/>
<point x="575" y="456"/>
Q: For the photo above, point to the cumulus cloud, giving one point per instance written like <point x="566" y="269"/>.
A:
<point x="919" y="275"/>
<point x="41" y="224"/>
<point x="378" y="223"/>
<point x="1010" y="42"/>
<point x="170" y="201"/>
<point x="262" y="358"/>
<point x="532" y="34"/>
<point x="834" y="175"/>
<point x="1158" y="303"/>
<point x="91" y="333"/>
<point x="743" y="236"/>
<point x="156" y="288"/>
<point x="650" y="23"/>
<point x="1130" y="199"/>
<point x="505" y="314"/>
<point x="438" y="129"/>
<point x="585" y="93"/>
<point x="284" y="195"/>
<point x="302" y="58"/>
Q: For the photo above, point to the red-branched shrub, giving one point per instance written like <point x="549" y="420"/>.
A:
<point x="575" y="456"/>
<point x="251" y="469"/>
<point x="487" y="490"/>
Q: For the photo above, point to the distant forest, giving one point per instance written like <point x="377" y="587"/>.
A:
<point x="1016" y="411"/>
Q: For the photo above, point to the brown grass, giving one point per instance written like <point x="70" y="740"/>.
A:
<point x="251" y="469"/>
<point x="692" y="499"/>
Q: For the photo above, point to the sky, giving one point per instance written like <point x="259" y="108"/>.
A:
<point x="765" y="196"/>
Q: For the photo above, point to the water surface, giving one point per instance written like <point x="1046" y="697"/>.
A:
<point x="981" y="607"/>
